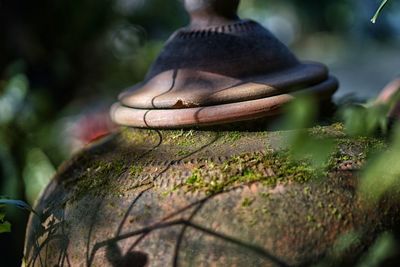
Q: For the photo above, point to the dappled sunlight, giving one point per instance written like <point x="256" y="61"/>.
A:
<point x="273" y="144"/>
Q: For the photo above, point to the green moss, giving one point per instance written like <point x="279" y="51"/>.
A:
<point x="247" y="202"/>
<point x="183" y="152"/>
<point x="265" y="210"/>
<point x="98" y="179"/>
<point x="135" y="170"/>
<point x="275" y="167"/>
<point x="307" y="191"/>
<point x="194" y="178"/>
<point x="310" y="218"/>
<point x="355" y="150"/>
<point x="130" y="135"/>
<point x="270" y="169"/>
<point x="338" y="127"/>
<point x="253" y="222"/>
<point x="333" y="130"/>
<point x="168" y="192"/>
<point x="180" y="138"/>
<point x="231" y="137"/>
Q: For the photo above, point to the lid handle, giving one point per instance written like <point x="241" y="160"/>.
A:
<point x="205" y="13"/>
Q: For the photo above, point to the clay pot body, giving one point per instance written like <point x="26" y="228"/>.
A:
<point x="176" y="198"/>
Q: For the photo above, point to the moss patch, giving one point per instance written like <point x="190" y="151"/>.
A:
<point x="247" y="202"/>
<point x="180" y="138"/>
<point x="231" y="137"/>
<point x="355" y="150"/>
<point x="139" y="136"/>
<point x="100" y="178"/>
<point x="334" y="130"/>
<point x="273" y="168"/>
<point x="99" y="174"/>
<point x="276" y="167"/>
<point x="135" y="170"/>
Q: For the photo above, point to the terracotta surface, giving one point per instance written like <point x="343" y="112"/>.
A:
<point x="218" y="114"/>
<point x="391" y="90"/>
<point x="136" y="200"/>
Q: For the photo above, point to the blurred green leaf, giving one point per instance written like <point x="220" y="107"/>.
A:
<point x="384" y="248"/>
<point x="354" y="118"/>
<point x="345" y="242"/>
<point x="5" y="227"/>
<point x="17" y="203"/>
<point x="317" y="150"/>
<point x="383" y="170"/>
<point x="365" y="120"/>
<point x="37" y="173"/>
<point x="12" y="98"/>
<point x="302" y="114"/>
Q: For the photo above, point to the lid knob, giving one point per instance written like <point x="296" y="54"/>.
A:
<point x="211" y="12"/>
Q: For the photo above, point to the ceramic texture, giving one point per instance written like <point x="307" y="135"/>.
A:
<point x="176" y="198"/>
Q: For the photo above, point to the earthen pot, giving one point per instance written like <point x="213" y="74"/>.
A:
<point x="205" y="198"/>
<point x="147" y="197"/>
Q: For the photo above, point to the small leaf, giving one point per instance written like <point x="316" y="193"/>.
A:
<point x="5" y="227"/>
<point x="17" y="203"/>
<point x="383" y="249"/>
<point x="374" y="19"/>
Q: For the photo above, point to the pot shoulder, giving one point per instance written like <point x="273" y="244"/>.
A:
<point x="156" y="198"/>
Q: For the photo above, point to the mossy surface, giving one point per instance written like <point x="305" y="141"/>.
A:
<point x="208" y="162"/>
<point x="270" y="169"/>
<point x="355" y="150"/>
<point x="245" y="185"/>
<point x="98" y="179"/>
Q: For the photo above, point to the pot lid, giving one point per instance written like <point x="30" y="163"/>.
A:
<point x="219" y="69"/>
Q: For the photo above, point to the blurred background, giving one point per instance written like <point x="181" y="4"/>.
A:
<point x="63" y="63"/>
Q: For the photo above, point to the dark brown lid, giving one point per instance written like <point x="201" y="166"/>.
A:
<point x="218" y="59"/>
